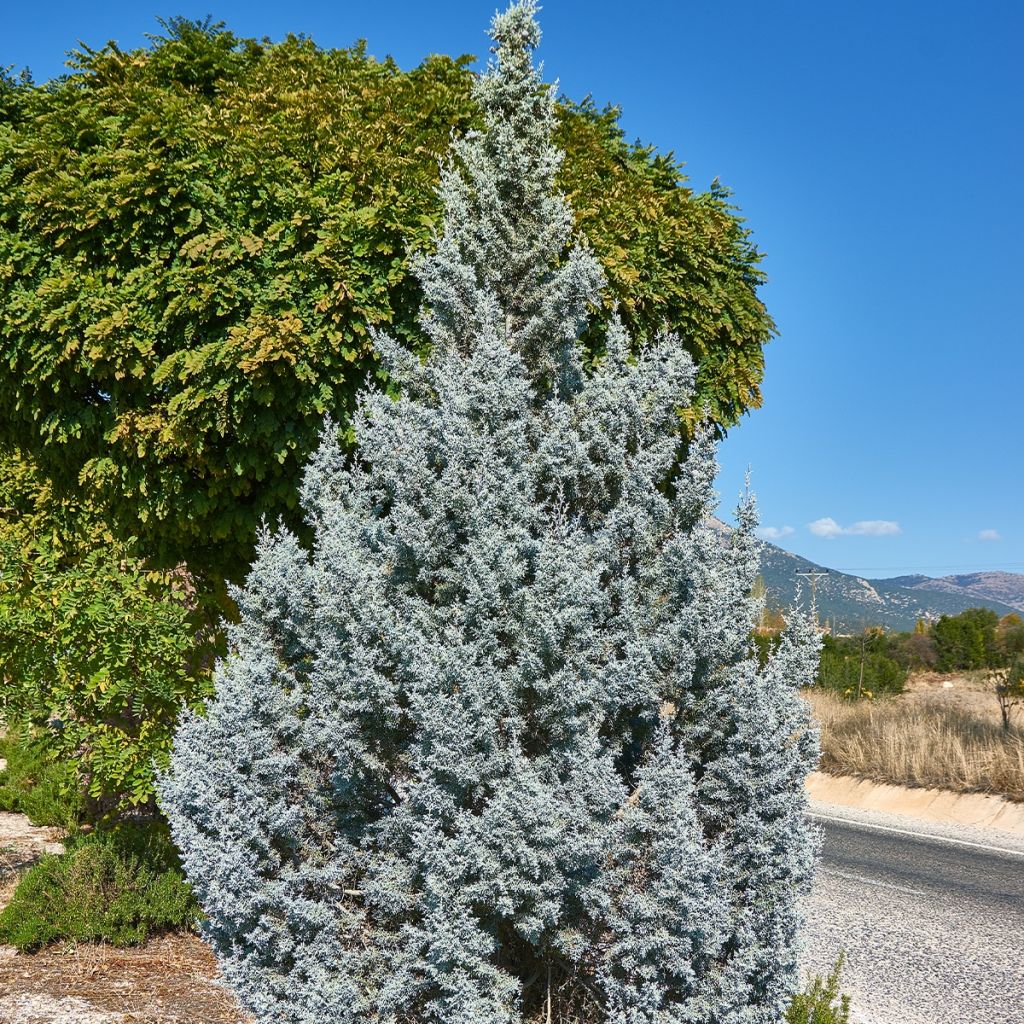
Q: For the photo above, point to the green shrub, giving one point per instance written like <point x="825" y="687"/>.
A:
<point x="32" y="784"/>
<point x="98" y="658"/>
<point x="861" y="665"/>
<point x="116" y="888"/>
<point x="820" y="1002"/>
<point x="967" y="641"/>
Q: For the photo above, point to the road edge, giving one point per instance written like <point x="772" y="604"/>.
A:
<point x="940" y="806"/>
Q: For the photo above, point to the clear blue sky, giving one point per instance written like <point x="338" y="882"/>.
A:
<point x="876" y="149"/>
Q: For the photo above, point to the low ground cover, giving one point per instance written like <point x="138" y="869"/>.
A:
<point x="106" y="888"/>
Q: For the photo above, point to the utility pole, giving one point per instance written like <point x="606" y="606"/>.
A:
<point x="863" y="644"/>
<point x="814" y="577"/>
<point x="860" y="682"/>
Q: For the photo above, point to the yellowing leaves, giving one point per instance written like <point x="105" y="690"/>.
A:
<point x="264" y="343"/>
<point x="180" y="261"/>
<point x="252" y="245"/>
<point x="207" y="244"/>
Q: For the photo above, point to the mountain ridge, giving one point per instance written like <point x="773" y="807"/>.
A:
<point x="1004" y="587"/>
<point x="850" y="603"/>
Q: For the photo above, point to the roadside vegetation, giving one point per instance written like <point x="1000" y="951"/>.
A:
<point x="877" y="662"/>
<point x="872" y="728"/>
<point x="206" y="309"/>
<point x="919" y="744"/>
<point x="821" y="1001"/>
<point x="862" y="666"/>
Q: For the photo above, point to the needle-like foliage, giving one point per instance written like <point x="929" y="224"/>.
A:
<point x="496" y="750"/>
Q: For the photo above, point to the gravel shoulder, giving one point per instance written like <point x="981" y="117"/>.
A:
<point x="930" y="916"/>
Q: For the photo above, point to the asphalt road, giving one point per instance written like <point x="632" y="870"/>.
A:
<point x="932" y="924"/>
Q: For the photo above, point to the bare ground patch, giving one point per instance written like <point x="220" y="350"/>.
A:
<point x="170" y="980"/>
<point x="971" y="692"/>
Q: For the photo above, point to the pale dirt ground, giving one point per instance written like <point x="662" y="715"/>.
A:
<point x="967" y="691"/>
<point x="170" y="980"/>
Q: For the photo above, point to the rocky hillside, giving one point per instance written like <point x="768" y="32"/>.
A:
<point x="850" y="603"/>
<point x="1003" y="587"/>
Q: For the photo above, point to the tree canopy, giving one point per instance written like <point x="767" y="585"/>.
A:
<point x="196" y="238"/>
<point x="967" y="640"/>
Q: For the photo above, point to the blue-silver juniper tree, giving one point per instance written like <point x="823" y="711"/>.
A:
<point x="496" y="750"/>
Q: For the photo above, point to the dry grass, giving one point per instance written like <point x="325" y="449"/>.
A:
<point x="919" y="744"/>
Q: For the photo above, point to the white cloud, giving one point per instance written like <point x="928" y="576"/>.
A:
<point x="989" y="535"/>
<point x="875" y="528"/>
<point x="830" y="529"/>
<point x="774" y="532"/>
<point x="826" y="527"/>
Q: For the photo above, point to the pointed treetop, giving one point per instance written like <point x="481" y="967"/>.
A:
<point x="516" y="27"/>
<point x="507" y="232"/>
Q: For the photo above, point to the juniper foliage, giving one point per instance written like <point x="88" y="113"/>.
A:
<point x="496" y="750"/>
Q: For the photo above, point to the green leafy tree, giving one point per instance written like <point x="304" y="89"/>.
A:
<point x="196" y="238"/>
<point x="966" y="641"/>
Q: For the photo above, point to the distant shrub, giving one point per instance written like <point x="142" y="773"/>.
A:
<point x="913" y="651"/>
<point x="820" y="1002"/>
<point x="34" y="785"/>
<point x="860" y="666"/>
<point x="1009" y="637"/>
<point x="967" y="641"/>
<point x="1008" y="685"/>
<point x="116" y="888"/>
